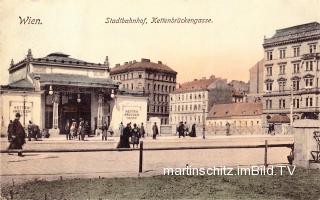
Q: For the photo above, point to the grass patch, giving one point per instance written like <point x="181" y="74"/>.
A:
<point x="304" y="184"/>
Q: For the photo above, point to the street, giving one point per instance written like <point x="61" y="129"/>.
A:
<point x="50" y="166"/>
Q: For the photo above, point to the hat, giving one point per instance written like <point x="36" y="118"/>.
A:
<point x="18" y="115"/>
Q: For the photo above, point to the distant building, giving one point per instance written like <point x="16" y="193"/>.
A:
<point x="240" y="90"/>
<point x="244" y="118"/>
<point x="191" y="101"/>
<point x="156" y="80"/>
<point x="256" y="87"/>
<point x="291" y="67"/>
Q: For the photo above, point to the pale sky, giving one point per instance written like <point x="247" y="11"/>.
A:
<point x="227" y="48"/>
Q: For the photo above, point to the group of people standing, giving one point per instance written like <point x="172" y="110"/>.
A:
<point x="183" y="130"/>
<point x="76" y="130"/>
<point x="134" y="133"/>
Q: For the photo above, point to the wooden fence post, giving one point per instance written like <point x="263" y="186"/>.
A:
<point x="141" y="157"/>
<point x="266" y="153"/>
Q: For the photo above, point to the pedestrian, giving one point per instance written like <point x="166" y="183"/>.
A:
<point x="227" y="128"/>
<point x="67" y="130"/>
<point x="193" y="131"/>
<point x="121" y="127"/>
<point x="18" y="135"/>
<point x="30" y="130"/>
<point x="181" y="129"/>
<point x="81" y="130"/>
<point x="273" y="132"/>
<point x="104" y="131"/>
<point x="124" y="138"/>
<point x="87" y="128"/>
<point x="73" y="129"/>
<point x="155" y="131"/>
<point x="186" y="129"/>
<point x="135" y="135"/>
<point x="9" y="131"/>
<point x="142" y="131"/>
<point x="270" y="129"/>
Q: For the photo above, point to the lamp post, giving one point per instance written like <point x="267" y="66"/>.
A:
<point x="291" y="105"/>
<point x="203" y="120"/>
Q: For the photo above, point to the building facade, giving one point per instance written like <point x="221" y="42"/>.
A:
<point x="156" y="80"/>
<point x="256" y="84"/>
<point x="243" y="118"/>
<point x="56" y="88"/>
<point x="191" y="101"/>
<point x="291" y="73"/>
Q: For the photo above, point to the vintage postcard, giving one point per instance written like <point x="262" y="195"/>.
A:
<point x="138" y="99"/>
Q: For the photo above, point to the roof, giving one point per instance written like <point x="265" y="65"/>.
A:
<point x="280" y="118"/>
<point x="21" y="84"/>
<point x="57" y="59"/>
<point x="196" y="84"/>
<point x="297" y="33"/>
<point x="144" y="64"/>
<point x="235" y="110"/>
<point x="72" y="79"/>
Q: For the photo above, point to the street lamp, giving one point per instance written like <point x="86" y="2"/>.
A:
<point x="291" y="106"/>
<point x="79" y="99"/>
<point x="50" y="90"/>
<point x="203" y="120"/>
<point x="112" y="94"/>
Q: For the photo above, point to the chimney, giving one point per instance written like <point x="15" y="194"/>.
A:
<point x="130" y="62"/>
<point x="29" y="55"/>
<point x="106" y="62"/>
<point x="117" y="65"/>
<point x="125" y="63"/>
<point x="212" y="77"/>
<point x="134" y="61"/>
<point x="203" y="78"/>
<point x="195" y="79"/>
<point x="145" y="60"/>
<point x="12" y="63"/>
<point x="159" y="62"/>
<point x="36" y="82"/>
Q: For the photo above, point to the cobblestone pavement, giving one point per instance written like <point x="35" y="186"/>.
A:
<point x="52" y="166"/>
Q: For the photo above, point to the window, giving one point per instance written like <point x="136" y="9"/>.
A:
<point x="148" y="86"/>
<point x="309" y="82"/>
<point x="296" y="68"/>
<point x="309" y="65"/>
<point x="282" y="69"/>
<point x="309" y="102"/>
<point x="190" y="96"/>
<point x="296" y="51"/>
<point x="295" y="85"/>
<point x="282" y="53"/>
<point x="268" y="103"/>
<point x="269" y="86"/>
<point x="269" y="55"/>
<point x="269" y="71"/>
<point x="312" y="48"/>
<point x="190" y="107"/>
<point x="296" y="103"/>
<point x="140" y="75"/>
<point x="282" y="85"/>
<point x="282" y="103"/>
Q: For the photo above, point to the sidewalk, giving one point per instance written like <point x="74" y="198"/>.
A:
<point x="167" y="138"/>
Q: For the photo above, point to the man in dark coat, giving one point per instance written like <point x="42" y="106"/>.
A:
<point x="155" y="131"/>
<point x="18" y="135"/>
<point x="181" y="129"/>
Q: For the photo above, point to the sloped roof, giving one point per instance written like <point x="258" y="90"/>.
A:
<point x="145" y="64"/>
<point x="294" y="34"/>
<point x="234" y="109"/>
<point x="72" y="79"/>
<point x="197" y="84"/>
<point x="58" y="59"/>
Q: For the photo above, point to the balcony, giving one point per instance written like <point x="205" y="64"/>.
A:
<point x="310" y="56"/>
